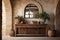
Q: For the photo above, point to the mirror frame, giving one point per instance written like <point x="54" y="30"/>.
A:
<point x="25" y="10"/>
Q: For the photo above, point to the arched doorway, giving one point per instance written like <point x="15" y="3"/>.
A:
<point x="58" y="19"/>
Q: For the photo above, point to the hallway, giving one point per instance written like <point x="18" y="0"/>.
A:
<point x="9" y="26"/>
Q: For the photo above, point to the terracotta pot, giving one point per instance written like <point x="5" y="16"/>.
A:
<point x="50" y="33"/>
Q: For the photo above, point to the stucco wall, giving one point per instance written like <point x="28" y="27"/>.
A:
<point x="48" y="6"/>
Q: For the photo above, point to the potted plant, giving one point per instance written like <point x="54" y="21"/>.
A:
<point x="19" y="18"/>
<point x="43" y="16"/>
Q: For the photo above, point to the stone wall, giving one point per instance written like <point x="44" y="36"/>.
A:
<point x="6" y="17"/>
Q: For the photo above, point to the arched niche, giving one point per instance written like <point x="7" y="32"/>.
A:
<point x="38" y="4"/>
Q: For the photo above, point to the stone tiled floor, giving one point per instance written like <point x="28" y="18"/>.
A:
<point x="30" y="38"/>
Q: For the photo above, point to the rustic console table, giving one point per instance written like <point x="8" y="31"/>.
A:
<point x="31" y="30"/>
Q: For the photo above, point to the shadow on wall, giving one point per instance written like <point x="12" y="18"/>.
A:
<point x="58" y="19"/>
<point x="57" y="33"/>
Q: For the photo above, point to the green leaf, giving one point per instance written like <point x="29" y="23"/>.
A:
<point x="43" y="15"/>
<point x="19" y="17"/>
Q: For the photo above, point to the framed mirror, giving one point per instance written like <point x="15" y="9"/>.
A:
<point x="30" y="11"/>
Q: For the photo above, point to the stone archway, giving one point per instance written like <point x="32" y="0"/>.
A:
<point x="38" y="4"/>
<point x="3" y="19"/>
<point x="58" y="18"/>
<point x="6" y="17"/>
